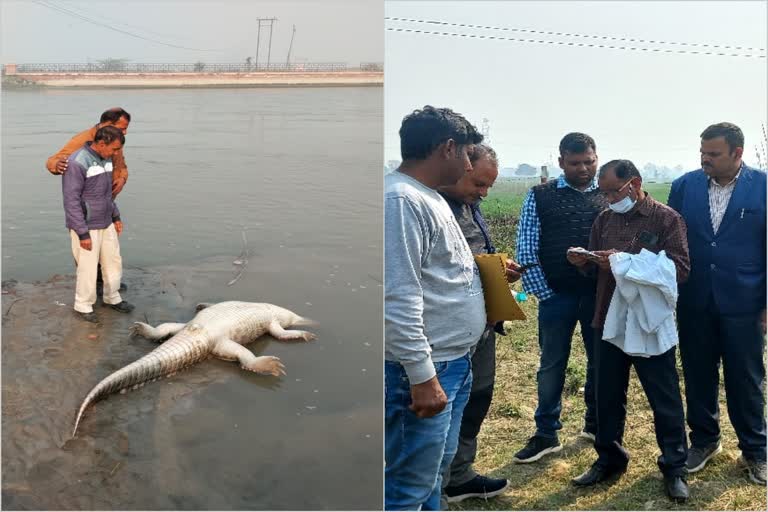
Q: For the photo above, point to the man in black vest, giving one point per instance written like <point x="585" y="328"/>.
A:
<point x="555" y="216"/>
<point x="461" y="481"/>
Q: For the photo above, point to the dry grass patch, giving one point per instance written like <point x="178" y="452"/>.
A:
<point x="545" y="485"/>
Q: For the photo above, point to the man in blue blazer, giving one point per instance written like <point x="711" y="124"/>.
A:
<point x="721" y="309"/>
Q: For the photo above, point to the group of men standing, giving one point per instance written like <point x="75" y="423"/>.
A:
<point x="440" y="354"/>
<point x="93" y="173"/>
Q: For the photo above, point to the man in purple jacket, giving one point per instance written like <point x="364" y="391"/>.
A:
<point x="94" y="222"/>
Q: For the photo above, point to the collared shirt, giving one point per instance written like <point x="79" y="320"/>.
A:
<point x="528" y="237"/>
<point x="472" y="224"/>
<point x="719" y="197"/>
<point x="475" y="229"/>
<point x="649" y="225"/>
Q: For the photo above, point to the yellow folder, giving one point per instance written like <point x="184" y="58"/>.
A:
<point x="499" y="302"/>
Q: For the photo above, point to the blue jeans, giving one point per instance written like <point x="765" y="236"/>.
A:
<point x="418" y="450"/>
<point x="557" y="320"/>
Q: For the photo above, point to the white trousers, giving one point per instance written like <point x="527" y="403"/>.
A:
<point x="105" y="250"/>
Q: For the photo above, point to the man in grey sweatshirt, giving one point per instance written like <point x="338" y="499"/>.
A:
<point x="434" y="309"/>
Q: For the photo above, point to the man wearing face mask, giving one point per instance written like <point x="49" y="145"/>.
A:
<point x="555" y="216"/>
<point x="461" y="481"/>
<point x="634" y="221"/>
<point x="721" y="310"/>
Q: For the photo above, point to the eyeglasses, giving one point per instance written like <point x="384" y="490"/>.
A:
<point x="613" y="193"/>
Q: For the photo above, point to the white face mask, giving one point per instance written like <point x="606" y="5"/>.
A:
<point x="624" y="205"/>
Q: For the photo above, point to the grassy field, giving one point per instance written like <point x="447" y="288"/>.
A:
<point x="545" y="485"/>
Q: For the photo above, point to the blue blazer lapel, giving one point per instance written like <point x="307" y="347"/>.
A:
<point x="701" y="196"/>
<point x="738" y="199"/>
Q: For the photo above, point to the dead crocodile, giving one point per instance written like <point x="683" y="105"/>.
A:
<point x="218" y="330"/>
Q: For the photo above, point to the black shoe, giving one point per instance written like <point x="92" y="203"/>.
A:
<point x="478" y="487"/>
<point x="676" y="487"/>
<point x="537" y="447"/>
<point x="122" y="307"/>
<point x="756" y="470"/>
<point x="595" y="474"/>
<point x="88" y="317"/>
<point x="699" y="456"/>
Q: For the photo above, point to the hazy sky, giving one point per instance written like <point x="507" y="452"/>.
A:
<point x="647" y="107"/>
<point x="326" y="30"/>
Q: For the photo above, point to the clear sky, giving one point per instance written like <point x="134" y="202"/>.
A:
<point x="647" y="107"/>
<point x="34" y="31"/>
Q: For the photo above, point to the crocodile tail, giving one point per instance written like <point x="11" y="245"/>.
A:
<point x="113" y="382"/>
<point x="173" y="355"/>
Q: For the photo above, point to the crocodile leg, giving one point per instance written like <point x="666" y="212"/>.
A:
<point x="155" y="333"/>
<point x="230" y="351"/>
<point x="277" y="332"/>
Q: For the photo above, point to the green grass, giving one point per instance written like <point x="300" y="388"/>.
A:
<point x="658" y="191"/>
<point x="545" y="485"/>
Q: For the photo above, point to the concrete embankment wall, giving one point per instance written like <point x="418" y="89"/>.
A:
<point x="147" y="80"/>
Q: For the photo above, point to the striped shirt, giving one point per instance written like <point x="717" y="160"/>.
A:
<point x="528" y="237"/>
<point x="719" y="197"/>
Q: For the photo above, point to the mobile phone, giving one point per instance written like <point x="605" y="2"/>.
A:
<point x="647" y="239"/>
<point x="589" y="255"/>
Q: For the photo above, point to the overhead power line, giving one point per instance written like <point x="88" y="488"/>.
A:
<point x="78" y="8"/>
<point x="68" y="12"/>
<point x="568" y="34"/>
<point x="575" y="44"/>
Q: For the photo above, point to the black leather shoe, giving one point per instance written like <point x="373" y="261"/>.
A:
<point x="88" y="317"/>
<point x="596" y="474"/>
<point x="122" y="307"/>
<point x="677" y="488"/>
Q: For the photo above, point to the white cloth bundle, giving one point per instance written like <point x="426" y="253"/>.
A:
<point x="641" y="316"/>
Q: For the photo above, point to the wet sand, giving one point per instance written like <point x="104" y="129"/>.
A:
<point x="210" y="437"/>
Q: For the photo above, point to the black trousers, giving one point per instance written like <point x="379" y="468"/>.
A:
<point x="706" y="338"/>
<point x="483" y="379"/>
<point x="658" y="377"/>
